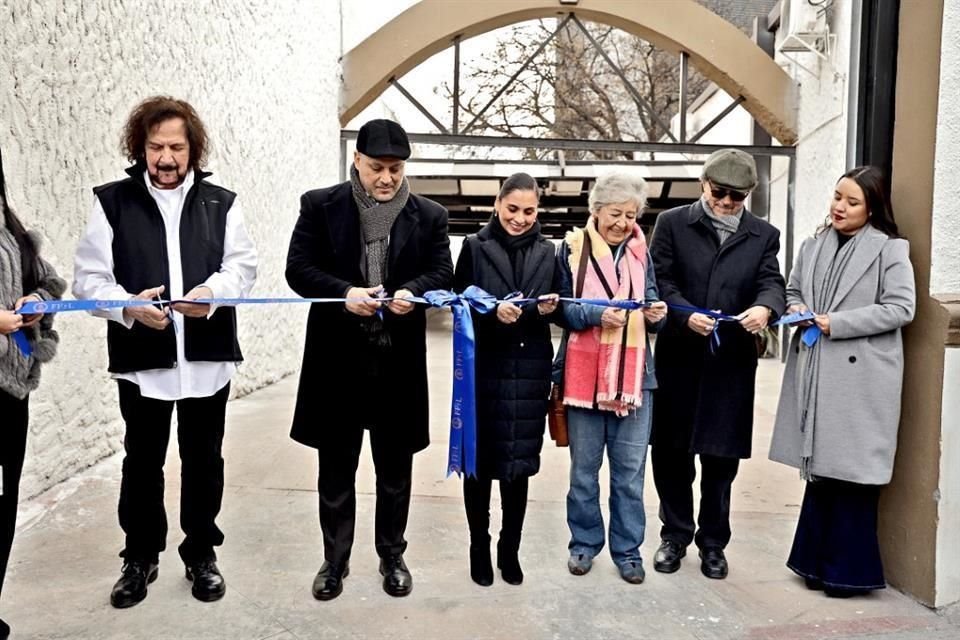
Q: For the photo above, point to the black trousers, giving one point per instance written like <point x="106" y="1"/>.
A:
<point x="836" y="540"/>
<point x="13" y="446"/>
<point x="513" y="501"/>
<point x="336" y="485"/>
<point x="200" y="439"/>
<point x="673" y="474"/>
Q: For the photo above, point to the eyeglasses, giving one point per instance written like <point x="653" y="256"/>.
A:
<point x="722" y="192"/>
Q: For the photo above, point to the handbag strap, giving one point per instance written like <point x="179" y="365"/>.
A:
<point x="585" y="251"/>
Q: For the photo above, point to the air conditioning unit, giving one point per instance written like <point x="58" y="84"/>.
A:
<point x="804" y="29"/>
<point x="803" y="26"/>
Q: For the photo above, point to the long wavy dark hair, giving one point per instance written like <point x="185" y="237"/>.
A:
<point x="28" y="251"/>
<point x="873" y="183"/>
<point x="152" y="112"/>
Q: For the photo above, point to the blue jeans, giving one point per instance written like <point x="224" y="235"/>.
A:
<point x="626" y="441"/>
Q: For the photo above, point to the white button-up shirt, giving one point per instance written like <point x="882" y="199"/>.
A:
<point x="94" y="279"/>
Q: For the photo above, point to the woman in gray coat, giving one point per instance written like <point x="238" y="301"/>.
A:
<point x="840" y="404"/>
<point x="26" y="342"/>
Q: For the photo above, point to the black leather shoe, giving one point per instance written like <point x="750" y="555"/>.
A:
<point x="481" y="566"/>
<point x="131" y="588"/>
<point x="667" y="558"/>
<point x="208" y="582"/>
<point x="329" y="581"/>
<point x="397" y="580"/>
<point x="713" y="563"/>
<point x="4" y="630"/>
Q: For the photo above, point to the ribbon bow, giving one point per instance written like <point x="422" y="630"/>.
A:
<point x="462" y="452"/>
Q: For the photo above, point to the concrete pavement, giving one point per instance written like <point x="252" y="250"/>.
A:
<point x="65" y="556"/>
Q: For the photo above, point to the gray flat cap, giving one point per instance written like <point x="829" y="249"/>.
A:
<point x="731" y="168"/>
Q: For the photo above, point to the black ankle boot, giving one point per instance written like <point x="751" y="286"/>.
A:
<point x="481" y="566"/>
<point x="509" y="563"/>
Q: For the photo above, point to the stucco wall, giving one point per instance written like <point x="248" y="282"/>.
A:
<point x="71" y="72"/>
<point x="948" y="556"/>
<point x="945" y="277"/>
<point x="945" y="267"/>
<point x="821" y="148"/>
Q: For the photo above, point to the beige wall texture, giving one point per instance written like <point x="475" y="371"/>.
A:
<point x="945" y="277"/>
<point x="909" y="517"/>
<point x="263" y="75"/>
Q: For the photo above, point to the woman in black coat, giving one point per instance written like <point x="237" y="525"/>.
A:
<point x="513" y="365"/>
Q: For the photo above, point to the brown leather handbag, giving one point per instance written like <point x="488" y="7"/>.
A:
<point x="557" y="417"/>
<point x="557" y="411"/>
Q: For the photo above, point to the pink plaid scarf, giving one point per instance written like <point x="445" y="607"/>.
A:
<point x="604" y="367"/>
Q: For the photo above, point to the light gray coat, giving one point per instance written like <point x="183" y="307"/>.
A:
<point x="857" y="409"/>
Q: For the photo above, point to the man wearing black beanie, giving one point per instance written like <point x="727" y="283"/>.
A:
<point x="364" y="364"/>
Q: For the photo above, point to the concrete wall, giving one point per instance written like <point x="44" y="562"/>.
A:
<point x="948" y="556"/>
<point x="945" y="276"/>
<point x="266" y="85"/>
<point x="945" y="270"/>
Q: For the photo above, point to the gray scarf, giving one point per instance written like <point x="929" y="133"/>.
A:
<point x="376" y="220"/>
<point x="828" y="270"/>
<point x="726" y="225"/>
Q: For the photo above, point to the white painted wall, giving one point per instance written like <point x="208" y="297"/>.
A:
<point x="71" y="72"/>
<point x="821" y="149"/>
<point x="945" y="277"/>
<point x="945" y="268"/>
<point x="948" y="551"/>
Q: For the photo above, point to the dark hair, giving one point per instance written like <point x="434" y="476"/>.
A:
<point x="28" y="250"/>
<point x="874" y="186"/>
<point x="152" y="112"/>
<point x="519" y="182"/>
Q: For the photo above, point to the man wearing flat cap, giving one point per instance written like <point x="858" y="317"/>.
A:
<point x="364" y="361"/>
<point x="714" y="255"/>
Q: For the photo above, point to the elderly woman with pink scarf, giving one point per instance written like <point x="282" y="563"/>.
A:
<point x="607" y="373"/>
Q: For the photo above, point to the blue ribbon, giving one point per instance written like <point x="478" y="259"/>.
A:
<point x="462" y="451"/>
<point x="719" y="317"/>
<point x="462" y="454"/>
<point x="810" y="334"/>
<point x="20" y="339"/>
<point x="63" y="306"/>
<point x="67" y="306"/>
<point x="793" y="318"/>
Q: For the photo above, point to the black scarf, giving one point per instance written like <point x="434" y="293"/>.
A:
<point x="517" y="247"/>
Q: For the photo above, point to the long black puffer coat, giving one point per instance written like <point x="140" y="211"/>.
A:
<point x="513" y="362"/>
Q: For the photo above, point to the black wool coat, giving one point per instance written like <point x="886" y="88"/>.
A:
<point x="337" y="387"/>
<point x="514" y="362"/>
<point x="705" y="399"/>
